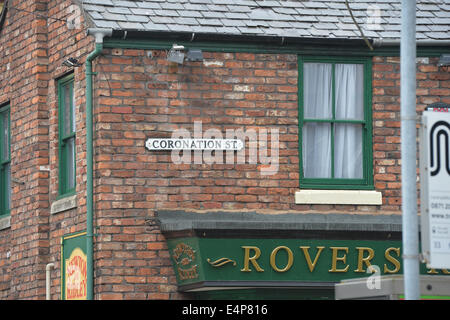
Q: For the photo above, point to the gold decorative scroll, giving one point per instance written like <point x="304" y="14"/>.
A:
<point x="220" y="262"/>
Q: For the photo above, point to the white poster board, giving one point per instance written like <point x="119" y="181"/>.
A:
<point x="435" y="188"/>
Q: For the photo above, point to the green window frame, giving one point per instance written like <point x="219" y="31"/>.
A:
<point x="366" y="181"/>
<point x="67" y="136"/>
<point x="5" y="161"/>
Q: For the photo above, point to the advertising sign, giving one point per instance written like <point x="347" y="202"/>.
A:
<point x="74" y="267"/>
<point x="435" y="188"/>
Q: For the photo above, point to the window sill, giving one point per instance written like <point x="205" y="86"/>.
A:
<point x="5" y="222"/>
<point x="64" y="204"/>
<point x="350" y="197"/>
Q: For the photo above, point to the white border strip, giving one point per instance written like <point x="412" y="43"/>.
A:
<point x="355" y="197"/>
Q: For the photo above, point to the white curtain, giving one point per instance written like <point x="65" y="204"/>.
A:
<point x="348" y="159"/>
<point x="317" y="88"/>
<point x="349" y="105"/>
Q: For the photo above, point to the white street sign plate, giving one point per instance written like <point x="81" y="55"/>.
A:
<point x="435" y="188"/>
<point x="194" y="144"/>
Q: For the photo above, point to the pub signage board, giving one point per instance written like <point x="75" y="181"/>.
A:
<point x="216" y="260"/>
<point x="73" y="267"/>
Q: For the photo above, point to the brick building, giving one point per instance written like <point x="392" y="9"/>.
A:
<point x="311" y="198"/>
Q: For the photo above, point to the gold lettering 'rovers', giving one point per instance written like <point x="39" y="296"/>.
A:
<point x="338" y="263"/>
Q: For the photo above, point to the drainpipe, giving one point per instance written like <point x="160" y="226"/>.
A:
<point x="99" y="34"/>
<point x="48" y="268"/>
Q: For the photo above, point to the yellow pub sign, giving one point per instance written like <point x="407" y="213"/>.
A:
<point x="74" y="267"/>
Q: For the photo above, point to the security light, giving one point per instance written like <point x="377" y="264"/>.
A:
<point x="444" y="60"/>
<point x="176" y="54"/>
<point x="194" y="55"/>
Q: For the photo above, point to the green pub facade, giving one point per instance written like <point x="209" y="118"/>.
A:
<point x="284" y="259"/>
<point x="203" y="149"/>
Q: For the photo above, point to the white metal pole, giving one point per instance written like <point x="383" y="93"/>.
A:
<point x="410" y="226"/>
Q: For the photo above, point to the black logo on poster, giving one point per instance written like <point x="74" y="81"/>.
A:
<point x="442" y="129"/>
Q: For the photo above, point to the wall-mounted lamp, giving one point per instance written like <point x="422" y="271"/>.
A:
<point x="176" y="54"/>
<point x="194" y="55"/>
<point x="444" y="60"/>
<point x="71" y="62"/>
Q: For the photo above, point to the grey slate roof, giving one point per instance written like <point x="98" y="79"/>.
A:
<point x="379" y="19"/>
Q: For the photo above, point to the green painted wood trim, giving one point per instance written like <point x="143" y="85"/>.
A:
<point x="5" y="210"/>
<point x="300" y="62"/>
<point x="368" y="128"/>
<point x="90" y="169"/>
<point x="333" y="114"/>
<point x="319" y="50"/>
<point x="63" y="188"/>
<point x="335" y="121"/>
<point x="352" y="184"/>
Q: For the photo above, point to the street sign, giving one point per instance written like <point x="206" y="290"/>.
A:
<point x="194" y="144"/>
<point x="435" y="188"/>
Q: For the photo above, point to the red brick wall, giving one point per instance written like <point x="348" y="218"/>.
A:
<point x="145" y="97"/>
<point x="23" y="83"/>
<point x="433" y="85"/>
<point x="64" y="43"/>
<point x="5" y="268"/>
<point x="139" y="95"/>
<point x="32" y="49"/>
